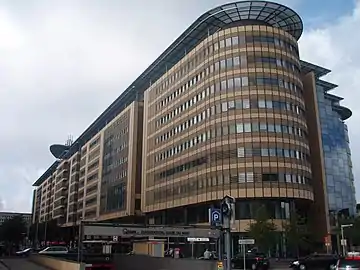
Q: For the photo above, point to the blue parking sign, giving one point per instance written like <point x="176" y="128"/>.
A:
<point x="214" y="217"/>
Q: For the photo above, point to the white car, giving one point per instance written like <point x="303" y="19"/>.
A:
<point x="54" y="250"/>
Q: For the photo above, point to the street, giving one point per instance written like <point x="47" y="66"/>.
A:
<point x="18" y="264"/>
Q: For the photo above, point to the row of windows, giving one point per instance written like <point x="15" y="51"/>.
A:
<point x="203" y="137"/>
<point x="120" y="121"/>
<point x="93" y="177"/>
<point x="237" y="82"/>
<point x="119" y="135"/>
<point x="183" y="167"/>
<point x="93" y="165"/>
<point x="231" y="41"/>
<point x="110" y="150"/>
<point x="230" y="105"/>
<point x="228" y="63"/>
<point x="271" y="152"/>
<point x="109" y="164"/>
<point x="199" y="186"/>
<point x="108" y="180"/>
<point x="240" y="152"/>
<point x="94" y="143"/>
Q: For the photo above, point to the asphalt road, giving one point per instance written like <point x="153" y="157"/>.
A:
<point x="19" y="264"/>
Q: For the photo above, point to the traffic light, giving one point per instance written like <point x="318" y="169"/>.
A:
<point x="225" y="209"/>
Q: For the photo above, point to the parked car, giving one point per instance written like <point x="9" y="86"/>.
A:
<point x="315" y="261"/>
<point x="54" y="250"/>
<point x="24" y="253"/>
<point x="253" y="261"/>
<point x="351" y="262"/>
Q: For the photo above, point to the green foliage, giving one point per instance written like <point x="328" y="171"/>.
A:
<point x="263" y="230"/>
<point x="13" y="230"/>
<point x="49" y="230"/>
<point x="297" y="233"/>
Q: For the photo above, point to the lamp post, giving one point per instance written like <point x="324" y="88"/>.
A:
<point x="80" y="240"/>
<point x="343" y="244"/>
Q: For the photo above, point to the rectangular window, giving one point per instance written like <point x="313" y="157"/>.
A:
<point x="229" y="62"/>
<point x="249" y="177"/>
<point x="228" y="42"/>
<point x="242" y="178"/>
<point x="238" y="104"/>
<point x="263" y="127"/>
<point x="236" y="61"/>
<point x="255" y="127"/>
<point x="231" y="104"/>
<point x="237" y="82"/>
<point x="241" y="152"/>
<point x="261" y="103"/>
<point x="246" y="104"/>
<point x="247" y="127"/>
<point x="240" y="128"/>
<point x="244" y="81"/>
<point x="264" y="152"/>
<point x="222" y="44"/>
<point x="243" y="61"/>
<point x="235" y="40"/>
<point x="272" y="152"/>
<point x="223" y="85"/>
<point x="269" y="104"/>
<point x="230" y="83"/>
<point x="222" y="64"/>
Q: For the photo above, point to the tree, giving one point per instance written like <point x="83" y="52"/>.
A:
<point x="297" y="233"/>
<point x="263" y="231"/>
<point x="13" y="230"/>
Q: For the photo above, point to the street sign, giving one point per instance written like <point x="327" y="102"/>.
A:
<point x="214" y="217"/>
<point x="343" y="242"/>
<point x="246" y="241"/>
<point x="192" y="239"/>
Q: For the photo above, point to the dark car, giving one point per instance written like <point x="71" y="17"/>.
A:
<point x="315" y="261"/>
<point x="253" y="261"/>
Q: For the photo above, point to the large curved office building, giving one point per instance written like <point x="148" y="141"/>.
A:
<point x="228" y="109"/>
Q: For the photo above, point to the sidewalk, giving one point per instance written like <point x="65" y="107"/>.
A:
<point x="19" y="264"/>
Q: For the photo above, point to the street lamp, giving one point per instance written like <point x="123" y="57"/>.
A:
<point x="342" y="236"/>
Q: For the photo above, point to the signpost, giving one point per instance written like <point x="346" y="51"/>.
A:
<point x="243" y="243"/>
<point x="246" y="241"/>
<point x="227" y="214"/>
<point x="214" y="217"/>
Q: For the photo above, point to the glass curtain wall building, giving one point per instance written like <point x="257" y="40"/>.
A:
<point x="337" y="155"/>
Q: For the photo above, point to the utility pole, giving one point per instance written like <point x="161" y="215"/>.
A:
<point x="343" y="242"/>
<point x="227" y="214"/>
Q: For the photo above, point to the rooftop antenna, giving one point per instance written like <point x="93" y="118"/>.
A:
<point x="69" y="140"/>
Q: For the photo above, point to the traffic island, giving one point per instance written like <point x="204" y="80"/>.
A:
<point x="56" y="263"/>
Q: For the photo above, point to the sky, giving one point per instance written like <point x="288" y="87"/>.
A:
<point x="63" y="62"/>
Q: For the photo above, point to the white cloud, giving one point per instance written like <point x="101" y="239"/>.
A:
<point x="336" y="46"/>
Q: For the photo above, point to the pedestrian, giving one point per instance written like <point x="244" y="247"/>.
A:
<point x="207" y="254"/>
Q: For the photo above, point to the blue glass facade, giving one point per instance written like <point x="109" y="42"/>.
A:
<point x="337" y="156"/>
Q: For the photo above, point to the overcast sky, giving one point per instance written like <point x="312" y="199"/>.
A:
<point x="63" y="62"/>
